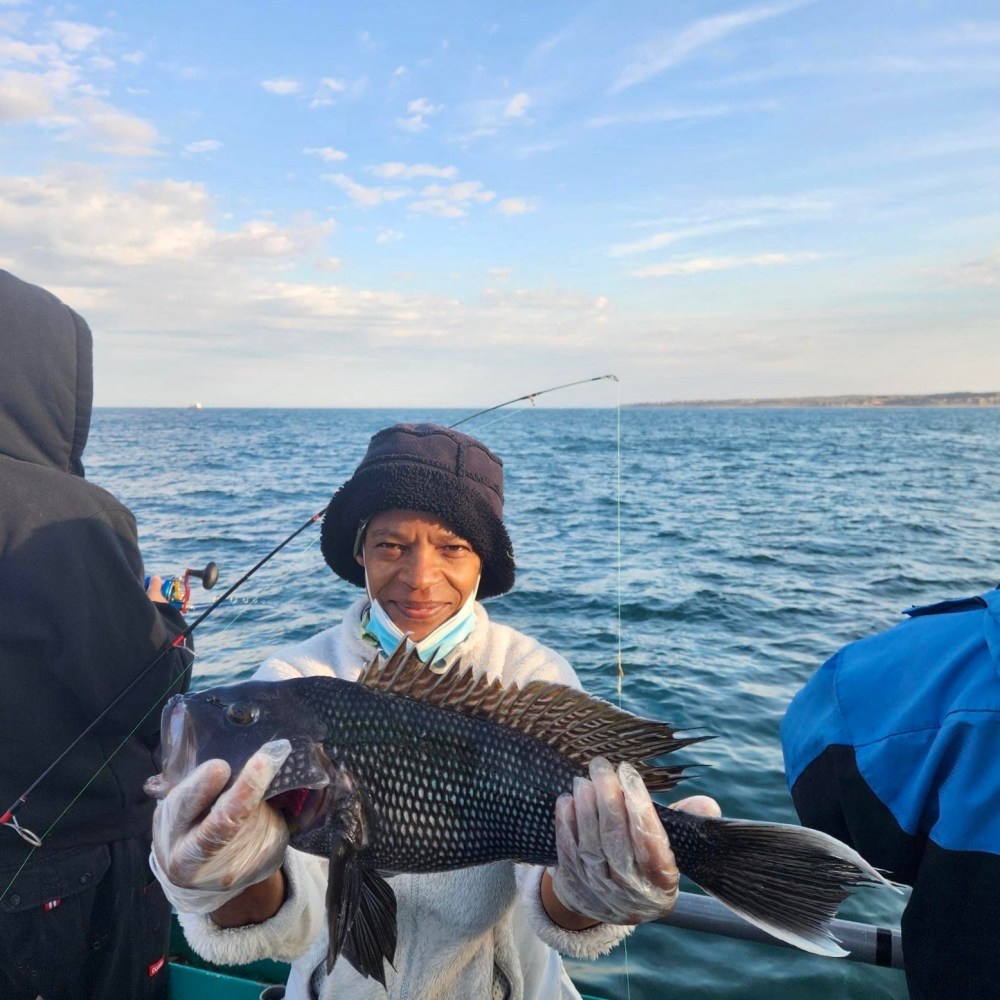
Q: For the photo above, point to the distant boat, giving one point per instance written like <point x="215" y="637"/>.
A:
<point x="196" y="406"/>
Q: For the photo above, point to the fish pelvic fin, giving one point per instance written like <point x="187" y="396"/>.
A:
<point x="786" y="880"/>
<point x="572" y="722"/>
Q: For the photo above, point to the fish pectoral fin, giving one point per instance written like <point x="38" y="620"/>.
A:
<point x="343" y="894"/>
<point x="361" y="910"/>
<point x="371" y="940"/>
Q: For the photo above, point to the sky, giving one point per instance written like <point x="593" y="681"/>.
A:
<point x="446" y="204"/>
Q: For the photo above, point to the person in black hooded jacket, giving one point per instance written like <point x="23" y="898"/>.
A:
<point x="81" y="915"/>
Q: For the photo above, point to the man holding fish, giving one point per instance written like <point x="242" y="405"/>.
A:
<point x="420" y="527"/>
<point x="415" y="753"/>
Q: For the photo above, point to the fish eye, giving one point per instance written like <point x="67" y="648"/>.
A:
<point x="243" y="713"/>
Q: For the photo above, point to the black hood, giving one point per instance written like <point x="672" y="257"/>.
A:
<point x="46" y="377"/>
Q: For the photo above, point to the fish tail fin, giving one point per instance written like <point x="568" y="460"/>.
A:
<point x="786" y="880"/>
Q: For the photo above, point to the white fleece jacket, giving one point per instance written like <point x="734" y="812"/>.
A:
<point x="459" y="933"/>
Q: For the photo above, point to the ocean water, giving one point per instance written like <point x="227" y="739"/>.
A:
<point x="726" y="553"/>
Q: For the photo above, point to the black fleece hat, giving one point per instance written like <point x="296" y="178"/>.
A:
<point x="429" y="468"/>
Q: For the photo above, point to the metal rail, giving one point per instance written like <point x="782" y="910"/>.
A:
<point x="864" y="942"/>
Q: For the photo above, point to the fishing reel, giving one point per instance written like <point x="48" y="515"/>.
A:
<point x="176" y="590"/>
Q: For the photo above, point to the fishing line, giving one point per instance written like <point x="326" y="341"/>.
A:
<point x="32" y="838"/>
<point x="618" y="540"/>
<point x="530" y="397"/>
<point x="176" y="643"/>
<point x="517" y="411"/>
<point x="278" y="579"/>
<point x="36" y="841"/>
<point x="618" y="527"/>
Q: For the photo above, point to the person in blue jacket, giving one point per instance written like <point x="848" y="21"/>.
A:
<point x="893" y="746"/>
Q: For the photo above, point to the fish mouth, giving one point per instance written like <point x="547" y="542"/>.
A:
<point x="303" y="809"/>
<point x="178" y="746"/>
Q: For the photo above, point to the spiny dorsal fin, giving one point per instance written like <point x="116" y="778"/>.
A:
<point x="572" y="722"/>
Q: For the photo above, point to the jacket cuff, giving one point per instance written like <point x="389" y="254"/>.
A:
<point x="591" y="943"/>
<point x="284" y="937"/>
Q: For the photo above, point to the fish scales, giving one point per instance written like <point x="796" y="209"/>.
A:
<point x="445" y="790"/>
<point x="409" y="771"/>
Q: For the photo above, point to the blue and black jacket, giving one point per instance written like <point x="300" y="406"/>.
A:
<point x="894" y="747"/>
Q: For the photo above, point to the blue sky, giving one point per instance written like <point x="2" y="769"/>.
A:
<point x="434" y="204"/>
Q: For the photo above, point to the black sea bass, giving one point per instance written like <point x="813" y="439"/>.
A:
<point x="408" y="770"/>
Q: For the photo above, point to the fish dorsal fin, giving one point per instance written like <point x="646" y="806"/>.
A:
<point x="572" y="722"/>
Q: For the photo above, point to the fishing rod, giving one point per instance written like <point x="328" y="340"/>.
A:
<point x="8" y="818"/>
<point x="532" y="396"/>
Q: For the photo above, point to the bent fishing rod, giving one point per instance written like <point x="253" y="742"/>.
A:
<point x="8" y="818"/>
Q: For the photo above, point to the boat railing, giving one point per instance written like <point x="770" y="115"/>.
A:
<point x="867" y="943"/>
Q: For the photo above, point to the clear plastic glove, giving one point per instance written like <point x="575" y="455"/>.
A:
<point x="204" y="859"/>
<point x="615" y="861"/>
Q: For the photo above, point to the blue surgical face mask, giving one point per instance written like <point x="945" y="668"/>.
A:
<point x="378" y="626"/>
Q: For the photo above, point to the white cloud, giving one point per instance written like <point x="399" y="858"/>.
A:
<point x="659" y="240"/>
<point x="203" y="146"/>
<point x="14" y="51"/>
<point x="26" y="97"/>
<point x="362" y="195"/>
<point x="75" y="35"/>
<point x="462" y="191"/>
<point x="134" y="58"/>
<point x="654" y="58"/>
<point x="326" y="153"/>
<point x="728" y="215"/>
<point x="516" y="206"/>
<point x="439" y="207"/>
<point x="419" y="110"/>
<point x="389" y="236"/>
<point x="281" y="87"/>
<point x="324" y="95"/>
<point x="983" y="273"/>
<point x="702" y="265"/>
<point x="517" y="106"/>
<point x="667" y="115"/>
<point x="81" y="219"/>
<point x="403" y="171"/>
<point x="490" y="116"/>
<point x="450" y="201"/>
<point x="115" y="131"/>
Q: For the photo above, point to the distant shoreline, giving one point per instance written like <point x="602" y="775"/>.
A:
<point x="937" y="399"/>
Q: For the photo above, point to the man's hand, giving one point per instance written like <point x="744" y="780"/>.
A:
<point x="209" y="847"/>
<point x="615" y="861"/>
